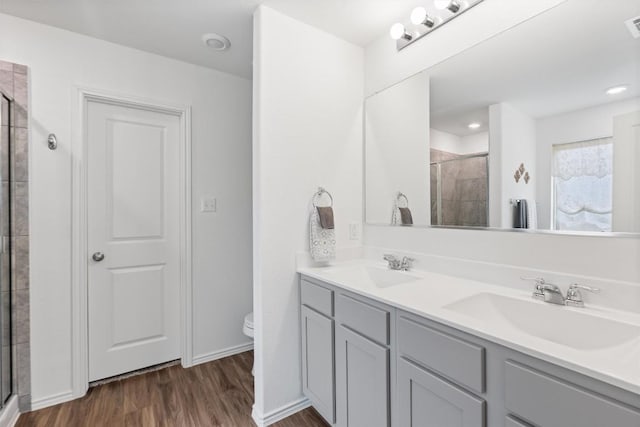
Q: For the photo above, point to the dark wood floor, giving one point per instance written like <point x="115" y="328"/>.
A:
<point x="218" y="393"/>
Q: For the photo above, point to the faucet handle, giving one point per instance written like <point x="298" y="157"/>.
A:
<point x="394" y="262"/>
<point x="584" y="288"/>
<point x="538" y="280"/>
<point x="574" y="296"/>
<point x="538" y="292"/>
<point x="407" y="262"/>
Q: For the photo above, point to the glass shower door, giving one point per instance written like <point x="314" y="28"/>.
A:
<point x="6" y="372"/>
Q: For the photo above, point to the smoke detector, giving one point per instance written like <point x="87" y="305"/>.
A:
<point x="216" y="42"/>
<point x="634" y="26"/>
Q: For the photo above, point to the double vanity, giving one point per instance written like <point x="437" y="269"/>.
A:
<point x="383" y="348"/>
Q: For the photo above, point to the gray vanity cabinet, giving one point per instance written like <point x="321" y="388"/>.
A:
<point x="318" y="362"/>
<point x="366" y="364"/>
<point x="427" y="400"/>
<point x="318" y="355"/>
<point x="363" y="368"/>
<point x="362" y="381"/>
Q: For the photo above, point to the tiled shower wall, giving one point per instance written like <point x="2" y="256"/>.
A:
<point x="464" y="189"/>
<point x="14" y="83"/>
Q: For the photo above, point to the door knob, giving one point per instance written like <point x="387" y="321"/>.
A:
<point x="98" y="256"/>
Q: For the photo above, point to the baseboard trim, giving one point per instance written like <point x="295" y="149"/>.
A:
<point x="56" y="399"/>
<point x="9" y="414"/>
<point x="220" y="354"/>
<point x="281" y="413"/>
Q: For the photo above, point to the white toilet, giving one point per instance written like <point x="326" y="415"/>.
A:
<point x="247" y="329"/>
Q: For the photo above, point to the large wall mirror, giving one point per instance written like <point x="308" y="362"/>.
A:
<point x="536" y="128"/>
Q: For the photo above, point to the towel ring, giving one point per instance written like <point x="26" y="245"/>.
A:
<point x="401" y="195"/>
<point x="318" y="195"/>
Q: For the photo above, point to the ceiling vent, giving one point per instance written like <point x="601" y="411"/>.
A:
<point x="634" y="26"/>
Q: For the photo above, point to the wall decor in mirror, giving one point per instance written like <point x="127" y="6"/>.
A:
<point x="536" y="128"/>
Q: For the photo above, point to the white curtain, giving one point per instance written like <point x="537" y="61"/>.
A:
<point x="583" y="179"/>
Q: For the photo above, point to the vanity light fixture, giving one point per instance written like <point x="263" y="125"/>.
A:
<point x="399" y="32"/>
<point x="419" y="16"/>
<point x="423" y="22"/>
<point x="452" y="5"/>
<point x="616" y="90"/>
<point x="474" y="125"/>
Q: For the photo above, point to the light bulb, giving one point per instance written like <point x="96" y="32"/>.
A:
<point x="474" y="125"/>
<point x="452" y="5"/>
<point x="398" y="32"/>
<point x="419" y="16"/>
<point x="616" y="90"/>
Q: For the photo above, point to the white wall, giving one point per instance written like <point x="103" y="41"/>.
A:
<point x="384" y="66"/>
<point x="397" y="150"/>
<point x="60" y="60"/>
<point x="575" y="126"/>
<point x="512" y="142"/>
<point x="468" y="144"/>
<point x="308" y="97"/>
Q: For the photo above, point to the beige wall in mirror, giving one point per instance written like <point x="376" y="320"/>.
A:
<point x="549" y="141"/>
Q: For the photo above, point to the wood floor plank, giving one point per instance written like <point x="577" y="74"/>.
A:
<point x="214" y="394"/>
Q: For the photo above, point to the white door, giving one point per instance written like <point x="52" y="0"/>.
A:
<point x="133" y="238"/>
<point x="626" y="177"/>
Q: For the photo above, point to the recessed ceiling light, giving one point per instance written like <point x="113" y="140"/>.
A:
<point x="216" y="41"/>
<point x="617" y="89"/>
<point x="474" y="125"/>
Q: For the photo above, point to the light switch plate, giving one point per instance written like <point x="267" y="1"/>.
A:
<point x="208" y="204"/>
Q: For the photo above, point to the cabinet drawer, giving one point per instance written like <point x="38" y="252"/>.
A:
<point x="370" y="321"/>
<point x="452" y="357"/>
<point x="316" y="297"/>
<point x="514" y="422"/>
<point x="548" y="401"/>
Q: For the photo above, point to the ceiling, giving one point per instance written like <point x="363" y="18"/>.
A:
<point x="174" y="28"/>
<point x="560" y="61"/>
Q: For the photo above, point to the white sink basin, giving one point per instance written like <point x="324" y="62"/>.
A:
<point x="550" y="322"/>
<point x="372" y="276"/>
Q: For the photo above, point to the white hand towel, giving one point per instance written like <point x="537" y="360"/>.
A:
<point x="322" y="241"/>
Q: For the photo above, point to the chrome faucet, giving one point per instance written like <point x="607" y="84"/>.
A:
<point x="397" y="264"/>
<point x="551" y="293"/>
<point x="546" y="292"/>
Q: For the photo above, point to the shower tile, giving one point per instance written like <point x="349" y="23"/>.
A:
<point x="20" y="92"/>
<point x="24" y="403"/>
<point x="6" y="369"/>
<point x="20" y="69"/>
<point x="4" y="152"/>
<point x="24" y="369"/>
<point x="6" y="317"/>
<point x="23" y="326"/>
<point x="20" y="155"/>
<point x="20" y="209"/>
<point x="4" y="119"/>
<point x="6" y="66"/>
<point x="20" y="117"/>
<point x="21" y="262"/>
<point x="5" y="273"/>
<point x="6" y="82"/>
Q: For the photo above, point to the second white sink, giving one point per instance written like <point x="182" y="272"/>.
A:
<point x="550" y="322"/>
<point x="372" y="276"/>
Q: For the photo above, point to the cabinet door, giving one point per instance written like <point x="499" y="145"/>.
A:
<point x="318" y="380"/>
<point x="362" y="381"/>
<point x="425" y="400"/>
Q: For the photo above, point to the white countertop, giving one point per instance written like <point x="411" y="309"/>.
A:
<point x="430" y="293"/>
